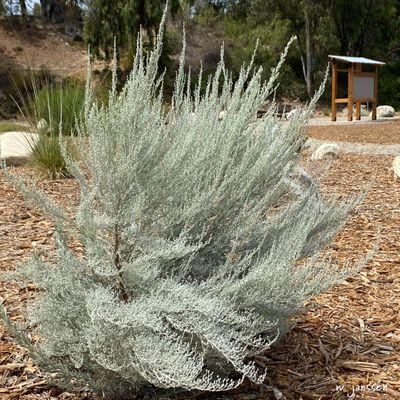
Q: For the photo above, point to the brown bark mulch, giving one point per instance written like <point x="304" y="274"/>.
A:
<point x="347" y="345"/>
<point x="381" y="132"/>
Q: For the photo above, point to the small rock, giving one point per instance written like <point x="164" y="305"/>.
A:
<point x="249" y="396"/>
<point x="326" y="150"/>
<point x="43" y="126"/>
<point x="221" y="115"/>
<point x="385" y="112"/>
<point x="364" y="110"/>
<point x="396" y="168"/>
<point x="292" y="113"/>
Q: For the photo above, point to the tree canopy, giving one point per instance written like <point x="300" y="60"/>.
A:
<point x="106" y="21"/>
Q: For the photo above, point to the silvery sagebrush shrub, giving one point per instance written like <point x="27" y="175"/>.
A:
<point x="200" y="233"/>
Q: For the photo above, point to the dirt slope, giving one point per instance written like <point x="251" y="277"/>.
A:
<point x="38" y="46"/>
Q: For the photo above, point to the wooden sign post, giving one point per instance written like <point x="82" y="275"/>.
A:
<point x="362" y="86"/>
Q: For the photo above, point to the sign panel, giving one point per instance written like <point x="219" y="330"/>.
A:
<point x="363" y="87"/>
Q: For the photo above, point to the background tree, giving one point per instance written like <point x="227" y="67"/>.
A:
<point x="182" y="8"/>
<point x="321" y="27"/>
<point x="9" y="7"/>
<point x="240" y="30"/>
<point x="363" y="26"/>
<point x="23" y="9"/>
<point x="52" y="10"/>
<point x="37" y="10"/>
<point x="105" y="20"/>
<point x="306" y="21"/>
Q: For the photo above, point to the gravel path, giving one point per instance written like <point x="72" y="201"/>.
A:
<point x="342" y="120"/>
<point x="358" y="148"/>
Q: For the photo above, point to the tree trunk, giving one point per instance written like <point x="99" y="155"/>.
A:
<point x="52" y="11"/>
<point x="22" y="7"/>
<point x="302" y="58"/>
<point x="359" y="45"/>
<point x="309" y="55"/>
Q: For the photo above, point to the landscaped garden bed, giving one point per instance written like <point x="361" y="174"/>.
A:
<point x="349" y="338"/>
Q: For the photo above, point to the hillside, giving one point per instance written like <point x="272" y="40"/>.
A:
<point x="37" y="47"/>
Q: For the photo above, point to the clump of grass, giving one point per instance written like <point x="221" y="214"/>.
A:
<point x="51" y="108"/>
<point x="47" y="157"/>
<point x="59" y="107"/>
<point x="57" y="104"/>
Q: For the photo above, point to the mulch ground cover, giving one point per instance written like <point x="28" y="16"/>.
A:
<point x="381" y="132"/>
<point x="347" y="345"/>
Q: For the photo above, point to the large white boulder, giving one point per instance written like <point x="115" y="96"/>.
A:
<point x="17" y="144"/>
<point x="385" y="112"/>
<point x="326" y="150"/>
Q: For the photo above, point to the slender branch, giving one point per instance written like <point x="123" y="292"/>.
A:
<point x="117" y="263"/>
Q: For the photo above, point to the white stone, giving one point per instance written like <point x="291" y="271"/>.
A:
<point x="385" y="112"/>
<point x="364" y="110"/>
<point x="43" y="126"/>
<point x="17" y="144"/>
<point x="396" y="168"/>
<point x="325" y="150"/>
<point x="292" y="113"/>
<point x="221" y="115"/>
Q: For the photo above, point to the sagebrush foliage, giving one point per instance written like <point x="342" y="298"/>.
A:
<point x="199" y="236"/>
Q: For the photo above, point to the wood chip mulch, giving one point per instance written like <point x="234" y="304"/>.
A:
<point x="380" y="132"/>
<point x="347" y="345"/>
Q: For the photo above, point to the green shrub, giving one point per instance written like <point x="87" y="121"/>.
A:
<point x="200" y="234"/>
